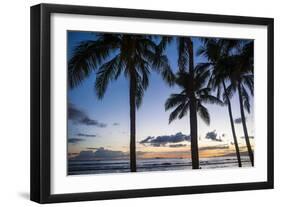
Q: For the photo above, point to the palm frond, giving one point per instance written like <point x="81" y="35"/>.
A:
<point x="174" y="100"/>
<point x="176" y="112"/>
<point x="203" y="113"/>
<point x="228" y="45"/>
<point x="108" y="71"/>
<point x="246" y="99"/>
<point x="183" y="80"/>
<point x="200" y="67"/>
<point x="160" y="63"/>
<point x="201" y="51"/>
<point x="218" y="94"/>
<point x="248" y="81"/>
<point x="165" y="40"/>
<point x="229" y="92"/>
<point x="139" y="92"/>
<point x="210" y="99"/>
<point x="184" y="110"/>
<point x="201" y="78"/>
<point x="88" y="55"/>
<point x="183" y="55"/>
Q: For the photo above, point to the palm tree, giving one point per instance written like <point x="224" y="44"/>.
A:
<point x="242" y="80"/>
<point x="216" y="51"/>
<point x="192" y="87"/>
<point x="112" y="54"/>
<point x="186" y="62"/>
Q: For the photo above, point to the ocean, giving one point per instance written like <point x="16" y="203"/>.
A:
<point x="82" y="167"/>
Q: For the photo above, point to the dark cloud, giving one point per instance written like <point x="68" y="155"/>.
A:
<point x="214" y="147"/>
<point x="177" y="145"/>
<point x="101" y="153"/>
<point x="74" y="113"/>
<point x="239" y="120"/>
<point x="91" y="122"/>
<point x="165" y="139"/>
<point x="79" y="117"/>
<point x="85" y="155"/>
<point x="74" y="140"/>
<point x="115" y="124"/>
<point x="92" y="148"/>
<point x="213" y="136"/>
<point x="146" y="140"/>
<point x="86" y="135"/>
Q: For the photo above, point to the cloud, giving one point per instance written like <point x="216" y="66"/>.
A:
<point x="214" y="147"/>
<point x="86" y="135"/>
<point x="177" y="145"/>
<point x="79" y="117"/>
<point x="165" y="139"/>
<point x="115" y="124"/>
<point x="85" y="155"/>
<point x="92" y="148"/>
<point x="239" y="120"/>
<point x="74" y="140"/>
<point x="74" y="113"/>
<point x="100" y="153"/>
<point x="213" y="136"/>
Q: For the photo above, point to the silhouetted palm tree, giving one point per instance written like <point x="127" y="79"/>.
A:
<point x="186" y="63"/>
<point x="112" y="54"/>
<point x="217" y="52"/>
<point x="193" y="86"/>
<point x="242" y="80"/>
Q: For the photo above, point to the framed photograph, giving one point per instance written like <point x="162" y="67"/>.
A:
<point x="132" y="103"/>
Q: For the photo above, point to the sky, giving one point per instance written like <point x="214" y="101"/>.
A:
<point x="102" y="126"/>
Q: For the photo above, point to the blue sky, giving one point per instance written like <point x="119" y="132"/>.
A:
<point x="151" y="118"/>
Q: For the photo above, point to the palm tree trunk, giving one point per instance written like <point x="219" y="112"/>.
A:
<point x="232" y="127"/>
<point x="133" y="123"/>
<point x="193" y="111"/>
<point x="193" y="134"/>
<point x="250" y="152"/>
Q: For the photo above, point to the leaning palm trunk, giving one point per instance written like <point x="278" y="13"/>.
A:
<point x="232" y="127"/>
<point x="250" y="152"/>
<point x="133" y="123"/>
<point x="193" y="112"/>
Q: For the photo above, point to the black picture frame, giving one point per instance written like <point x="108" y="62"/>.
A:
<point x="41" y="96"/>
